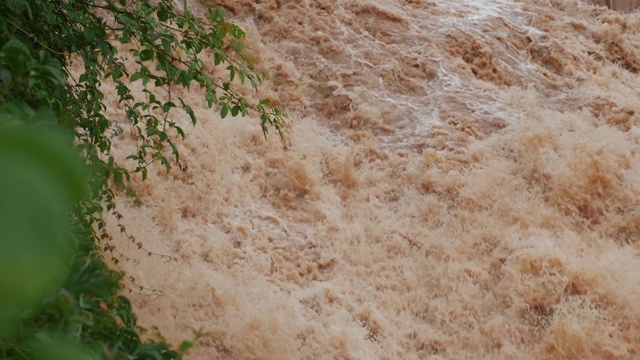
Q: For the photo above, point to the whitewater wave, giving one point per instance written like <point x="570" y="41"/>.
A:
<point x="460" y="180"/>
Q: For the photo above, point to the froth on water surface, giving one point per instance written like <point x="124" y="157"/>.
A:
<point x="619" y="5"/>
<point x="461" y="180"/>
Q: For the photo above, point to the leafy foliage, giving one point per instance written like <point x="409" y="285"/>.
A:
<point x="41" y="98"/>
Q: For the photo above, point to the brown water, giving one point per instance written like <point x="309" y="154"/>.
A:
<point x="460" y="180"/>
<point x="620" y="5"/>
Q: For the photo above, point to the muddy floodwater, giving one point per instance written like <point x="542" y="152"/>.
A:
<point x="459" y="180"/>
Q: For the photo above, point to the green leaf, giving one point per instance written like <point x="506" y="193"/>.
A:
<point x="216" y="15"/>
<point x="167" y="106"/>
<point x="6" y="77"/>
<point x="162" y="15"/>
<point x="185" y="346"/>
<point x="46" y="177"/>
<point x="189" y="112"/>
<point x="180" y="132"/>
<point x="211" y="99"/>
<point x="166" y="45"/>
<point x="232" y="72"/>
<point x="224" y="111"/>
<point x="16" y="112"/>
<point x="16" y="54"/>
<point x="135" y="76"/>
<point x="57" y="346"/>
<point x="147" y="351"/>
<point x="146" y="54"/>
<point x="50" y="73"/>
<point x="125" y="19"/>
<point x="89" y="34"/>
<point x="18" y="6"/>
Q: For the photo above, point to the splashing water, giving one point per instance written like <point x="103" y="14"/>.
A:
<point x="460" y="181"/>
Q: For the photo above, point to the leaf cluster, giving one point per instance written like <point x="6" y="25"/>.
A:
<point x="150" y="52"/>
<point x="167" y="46"/>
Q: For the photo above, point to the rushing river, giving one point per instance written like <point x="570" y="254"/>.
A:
<point x="460" y="180"/>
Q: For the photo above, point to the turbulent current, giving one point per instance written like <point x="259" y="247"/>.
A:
<point x="459" y="180"/>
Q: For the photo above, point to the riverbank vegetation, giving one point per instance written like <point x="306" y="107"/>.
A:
<point x="59" y="299"/>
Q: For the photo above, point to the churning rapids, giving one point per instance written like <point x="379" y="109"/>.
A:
<point x="459" y="180"/>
